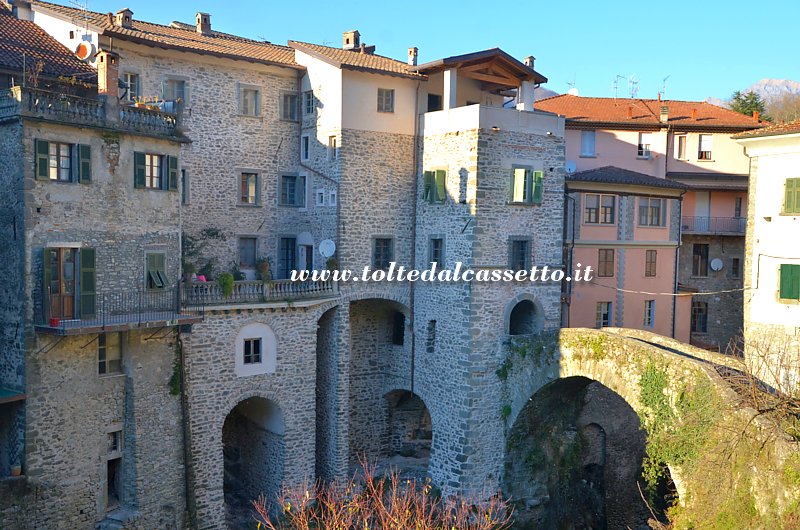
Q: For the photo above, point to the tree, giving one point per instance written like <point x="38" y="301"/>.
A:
<point x="785" y="108"/>
<point x="747" y="103"/>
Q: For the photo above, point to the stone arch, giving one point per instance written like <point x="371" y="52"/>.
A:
<point x="253" y="450"/>
<point x="523" y="315"/>
<point x="407" y="433"/>
<point x="574" y="454"/>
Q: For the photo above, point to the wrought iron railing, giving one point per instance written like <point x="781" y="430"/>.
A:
<point x="714" y="225"/>
<point x="249" y="292"/>
<point x="124" y="309"/>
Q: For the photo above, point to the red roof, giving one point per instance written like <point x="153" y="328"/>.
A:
<point x="793" y="127"/>
<point x="356" y="59"/>
<point x="634" y="113"/>
<point x="18" y="37"/>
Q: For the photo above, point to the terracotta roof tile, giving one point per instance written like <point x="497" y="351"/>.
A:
<point x="793" y="127"/>
<point x="181" y="36"/>
<point x="644" y="112"/>
<point x="356" y="60"/>
<point x="21" y="36"/>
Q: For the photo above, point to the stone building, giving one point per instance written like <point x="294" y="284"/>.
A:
<point x="395" y="162"/>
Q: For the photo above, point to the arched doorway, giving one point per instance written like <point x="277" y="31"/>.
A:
<point x="574" y="457"/>
<point x="253" y="456"/>
<point x="525" y="318"/>
<point x="408" y="434"/>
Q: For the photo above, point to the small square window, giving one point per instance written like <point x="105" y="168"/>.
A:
<point x="289" y="107"/>
<point x="309" y="103"/>
<point x="383" y="253"/>
<point x="436" y="253"/>
<point x="385" y="100"/>
<point x="252" y="351"/>
<point x="293" y="191"/>
<point x="527" y="186"/>
<point x="114" y="439"/>
<point x="519" y="254"/>
<point x="652" y="212"/>
<point x="332" y="198"/>
<point x="319" y="198"/>
<point x="249" y="102"/>
<point x="109" y="354"/>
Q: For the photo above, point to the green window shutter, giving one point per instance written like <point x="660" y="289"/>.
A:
<point x="791" y="201"/>
<point x="518" y="185"/>
<point x="42" y="160"/>
<point x="47" y="276"/>
<point x="138" y="170"/>
<point x="88" y="283"/>
<point x="538" y="186"/>
<point x="427" y="193"/>
<point x="790" y="282"/>
<point x="172" y="172"/>
<point x="441" y="177"/>
<point x="84" y="163"/>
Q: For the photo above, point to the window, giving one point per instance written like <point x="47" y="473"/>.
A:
<point x="247" y="252"/>
<point x="680" y="147"/>
<point x="248" y="188"/>
<point x="434" y="102"/>
<point x="155" y="172"/>
<point x="70" y="282"/>
<point x="287" y="256"/>
<point x="598" y="209"/>
<point x="333" y="149"/>
<point x="252" y="351"/>
<point x="156" y="270"/>
<point x="603" y="319"/>
<point x="605" y="262"/>
<point x="434" y="187"/>
<point x="736" y="268"/>
<point x="174" y="89"/>
<point x="700" y="259"/>
<point x="587" y="143"/>
<point x="309" y="102"/>
<point x="398" y="329"/>
<point x="63" y="162"/>
<point x="791" y="197"/>
<point x="132" y="82"/>
<point x="383" y="253"/>
<point x="789" y="282"/>
<point x="519" y="254"/>
<point x="650" y="259"/>
<point x="332" y="198"/>
<point x="649" y="313"/>
<point x="319" y="198"/>
<point x="184" y="187"/>
<point x="430" y="340"/>
<point x="305" y="147"/>
<point x="385" y="100"/>
<point x="527" y="186"/>
<point x="643" y="150"/>
<point x="60" y="167"/>
<point x="289" y="107"/>
<point x="699" y="317"/>
<point x="249" y="101"/>
<point x="652" y="212"/>
<point x="436" y="251"/>
<point x="114" y="440"/>
<point x="293" y="190"/>
<point x="705" y="146"/>
<point x="737" y="207"/>
<point x="109" y="354"/>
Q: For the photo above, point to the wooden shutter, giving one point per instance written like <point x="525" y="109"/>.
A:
<point x="47" y="276"/>
<point x="88" y="284"/>
<point x="172" y="172"/>
<point x="790" y="282"/>
<point x="518" y="186"/>
<point x="441" y="177"/>
<point x="428" y="177"/>
<point x="42" y="160"/>
<point x="791" y="193"/>
<point x="538" y="186"/>
<point x="84" y="163"/>
<point x="138" y="170"/>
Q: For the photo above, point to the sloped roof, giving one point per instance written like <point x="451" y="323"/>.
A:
<point x="179" y="36"/>
<point x="18" y="37"/>
<point x="518" y="68"/>
<point x="793" y="127"/>
<point x="357" y="60"/>
<point x="645" y="112"/>
<point x="623" y="177"/>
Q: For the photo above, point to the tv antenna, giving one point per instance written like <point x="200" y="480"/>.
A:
<point x="80" y="5"/>
<point x="633" y="86"/>
<point x="664" y="87"/>
<point x="572" y="89"/>
<point x="616" y="84"/>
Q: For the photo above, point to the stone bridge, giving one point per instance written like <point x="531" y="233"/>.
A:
<point x="586" y="409"/>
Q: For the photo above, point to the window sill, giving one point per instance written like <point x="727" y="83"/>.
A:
<point x="705" y="160"/>
<point x="385" y="111"/>
<point x="698" y="277"/>
<point x="512" y="203"/>
<point x="111" y="376"/>
<point x="585" y="223"/>
<point x="257" y="116"/>
<point x="651" y="226"/>
<point x="246" y="205"/>
<point x="587" y="156"/>
<point x="644" y="157"/>
<point x="298" y="206"/>
<point x="789" y="214"/>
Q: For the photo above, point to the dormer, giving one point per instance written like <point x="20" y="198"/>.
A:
<point x="123" y="18"/>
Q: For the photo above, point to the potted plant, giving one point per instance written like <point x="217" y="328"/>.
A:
<point x="225" y="282"/>
<point x="264" y="270"/>
<point x="332" y="264"/>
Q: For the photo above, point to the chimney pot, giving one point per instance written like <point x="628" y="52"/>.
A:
<point x="664" y="113"/>
<point x="413" y="53"/>
<point x="528" y="61"/>
<point x="351" y="40"/>
<point x="108" y="74"/>
<point x="630" y="112"/>
<point x="694" y="114"/>
<point x="203" y="23"/>
<point x="755" y="115"/>
<point x="123" y="18"/>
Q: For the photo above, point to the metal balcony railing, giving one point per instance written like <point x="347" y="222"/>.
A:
<point x="114" y="311"/>
<point x="714" y="225"/>
<point x="253" y="292"/>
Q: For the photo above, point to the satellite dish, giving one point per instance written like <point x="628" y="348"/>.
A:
<point x="85" y="51"/>
<point x="570" y="166"/>
<point x="716" y="264"/>
<point x="327" y="247"/>
<point x="573" y="92"/>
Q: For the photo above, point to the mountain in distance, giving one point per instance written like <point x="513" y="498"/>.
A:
<point x="770" y="90"/>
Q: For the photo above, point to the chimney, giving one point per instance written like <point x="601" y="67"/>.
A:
<point x="630" y="112"/>
<point x="694" y="114"/>
<point x="351" y="40"/>
<point x="108" y="74"/>
<point x="755" y="115"/>
<point x="664" y="114"/>
<point x="412" y="56"/>
<point x="528" y="61"/>
<point x="203" y="23"/>
<point x="123" y="18"/>
<point x="659" y="97"/>
<point x="369" y="50"/>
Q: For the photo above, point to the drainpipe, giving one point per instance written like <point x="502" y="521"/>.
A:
<point x="187" y="454"/>
<point x="414" y="234"/>
<point x="677" y="260"/>
<point x="570" y="255"/>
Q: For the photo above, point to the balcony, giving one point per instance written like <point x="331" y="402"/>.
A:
<point x="120" y="311"/>
<point x="257" y="292"/>
<point x="734" y="226"/>
<point x="74" y="110"/>
<point x="495" y="118"/>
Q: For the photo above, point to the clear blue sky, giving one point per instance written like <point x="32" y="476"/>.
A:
<point x="706" y="47"/>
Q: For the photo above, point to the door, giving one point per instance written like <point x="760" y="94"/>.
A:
<point x="60" y="273"/>
<point x="702" y="210"/>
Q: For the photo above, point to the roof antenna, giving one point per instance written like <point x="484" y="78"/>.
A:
<point x="633" y="86"/>
<point x="616" y="84"/>
<point x="664" y="87"/>
<point x="80" y="5"/>
<point x="572" y="90"/>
